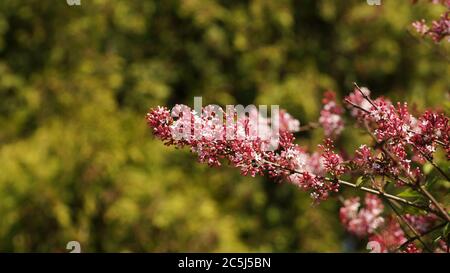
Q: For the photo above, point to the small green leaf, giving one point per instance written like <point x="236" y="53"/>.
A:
<point x="446" y="230"/>
<point x="359" y="181"/>
<point x="413" y="210"/>
<point x="409" y="193"/>
<point x="431" y="182"/>
<point x="435" y="241"/>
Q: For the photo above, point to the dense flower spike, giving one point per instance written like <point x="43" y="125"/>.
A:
<point x="400" y="132"/>
<point x="331" y="160"/>
<point x="330" y="115"/>
<point x="432" y="128"/>
<point x="159" y="120"/>
<point x="402" y="144"/>
<point x="365" y="160"/>
<point x="217" y="135"/>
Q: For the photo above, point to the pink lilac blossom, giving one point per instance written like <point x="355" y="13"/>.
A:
<point x="303" y="170"/>
<point x="431" y="128"/>
<point x="362" y="221"/>
<point x="367" y="222"/>
<point x="421" y="26"/>
<point x="330" y="116"/>
<point x="288" y="123"/>
<point x="332" y="161"/>
<point x="310" y="169"/>
<point x="365" y="160"/>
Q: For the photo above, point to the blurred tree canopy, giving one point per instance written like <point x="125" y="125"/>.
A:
<point x="77" y="161"/>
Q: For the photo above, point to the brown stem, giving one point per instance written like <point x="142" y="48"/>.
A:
<point x="365" y="96"/>
<point x="357" y="106"/>
<point x="383" y="194"/>
<point x="365" y="189"/>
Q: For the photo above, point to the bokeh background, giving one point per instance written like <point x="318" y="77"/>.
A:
<point x="77" y="161"/>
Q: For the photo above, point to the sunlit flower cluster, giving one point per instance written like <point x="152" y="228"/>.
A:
<point x="401" y="144"/>
<point x="217" y="135"/>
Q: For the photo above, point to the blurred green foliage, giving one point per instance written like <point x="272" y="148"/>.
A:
<point x="77" y="161"/>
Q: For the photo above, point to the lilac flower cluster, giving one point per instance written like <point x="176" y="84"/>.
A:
<point x="401" y="144"/>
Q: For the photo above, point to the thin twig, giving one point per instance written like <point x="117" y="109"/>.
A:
<point x="365" y="96"/>
<point x="357" y="106"/>
<point x="365" y="189"/>
<point x="383" y="194"/>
